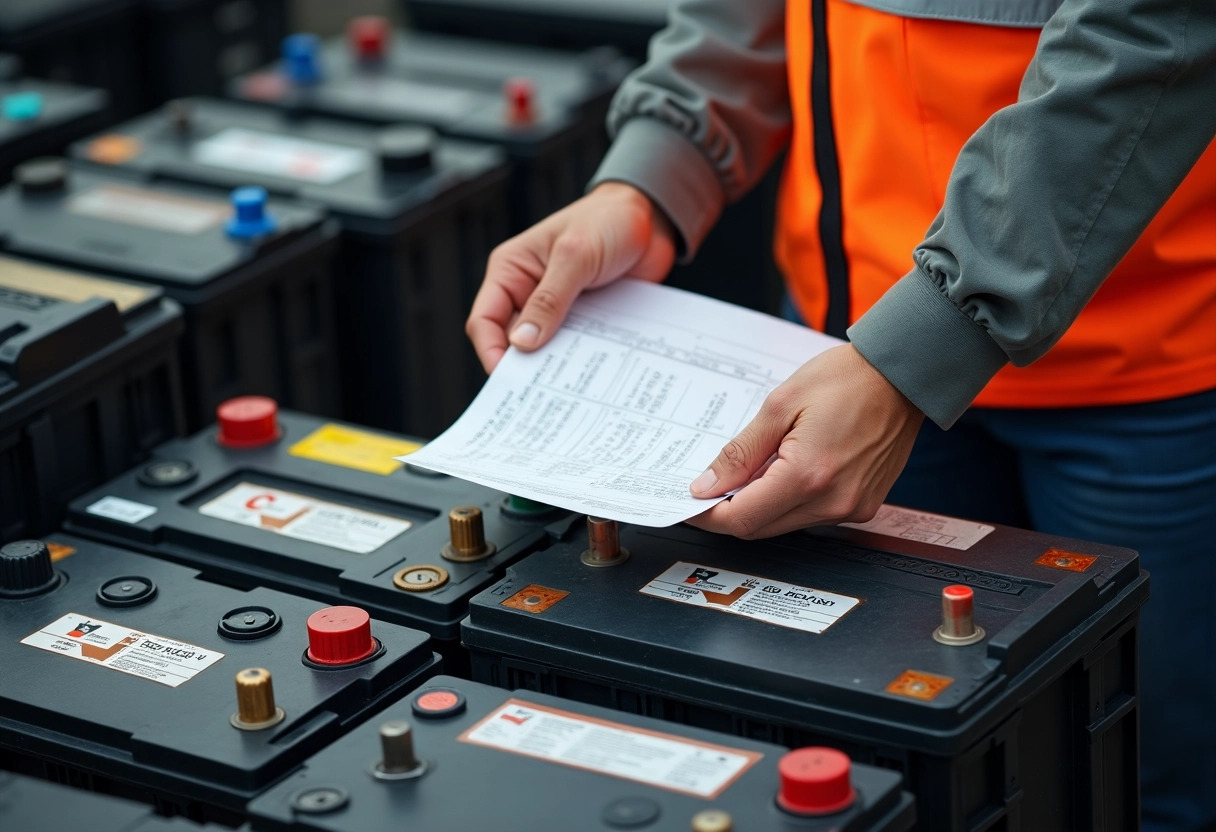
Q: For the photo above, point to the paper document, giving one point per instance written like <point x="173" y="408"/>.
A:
<point x="630" y="401"/>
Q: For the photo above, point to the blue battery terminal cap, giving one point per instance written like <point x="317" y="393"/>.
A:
<point x="250" y="218"/>
<point x="22" y="106"/>
<point x="302" y="58"/>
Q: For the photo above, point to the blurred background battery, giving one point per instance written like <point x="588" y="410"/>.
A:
<point x="545" y="108"/>
<point x="253" y="278"/>
<point x="92" y="43"/>
<point x="89" y="384"/>
<point x="419" y="215"/>
<point x="42" y="117"/>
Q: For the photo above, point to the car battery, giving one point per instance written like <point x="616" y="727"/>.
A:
<point x="322" y="509"/>
<point x="996" y="668"/>
<point x="194" y="47"/>
<point x="141" y="679"/>
<point x="545" y="108"/>
<point x="419" y="217"/>
<point x="538" y="761"/>
<point x="89" y="384"/>
<point x="31" y="805"/>
<point x="38" y="118"/>
<point x="90" y="42"/>
<point x="253" y="278"/>
<point x="561" y="24"/>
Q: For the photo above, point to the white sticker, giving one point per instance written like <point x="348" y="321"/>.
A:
<point x="294" y="515"/>
<point x="160" y="659"/>
<point x="776" y="602"/>
<point x="275" y="155"/>
<point x="569" y="739"/>
<point x="124" y="511"/>
<point x="149" y="209"/>
<point x="424" y="102"/>
<point x="933" y="529"/>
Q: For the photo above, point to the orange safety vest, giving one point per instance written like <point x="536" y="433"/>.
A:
<point x="904" y="94"/>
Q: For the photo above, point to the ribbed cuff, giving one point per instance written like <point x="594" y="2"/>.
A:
<point x="924" y="345"/>
<point x="661" y="163"/>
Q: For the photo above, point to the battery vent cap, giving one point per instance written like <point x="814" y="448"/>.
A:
<point x="815" y="781"/>
<point x="340" y="635"/>
<point x="26" y="569"/>
<point x="302" y="58"/>
<point x="248" y="422"/>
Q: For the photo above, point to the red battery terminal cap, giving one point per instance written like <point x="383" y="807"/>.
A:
<point x="958" y="627"/>
<point x="340" y="635"/>
<point x="368" y="36"/>
<point x="815" y="781"/>
<point x="248" y="421"/>
<point x="521" y="100"/>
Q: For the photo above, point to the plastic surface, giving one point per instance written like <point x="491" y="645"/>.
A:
<point x="89" y="384"/>
<point x="815" y="781"/>
<point x="470" y="786"/>
<point x="259" y="317"/>
<point x="413" y="252"/>
<point x="247" y="422"/>
<point x="1032" y="727"/>
<point x="173" y="740"/>
<point x="313" y="564"/>
<point x="250" y="218"/>
<point x="40" y="118"/>
<point x="340" y="635"/>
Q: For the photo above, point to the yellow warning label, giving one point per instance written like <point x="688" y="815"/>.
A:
<point x="350" y="448"/>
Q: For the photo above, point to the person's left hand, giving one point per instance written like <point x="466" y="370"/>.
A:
<point x="841" y="434"/>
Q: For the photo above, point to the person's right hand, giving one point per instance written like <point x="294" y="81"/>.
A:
<point x="532" y="279"/>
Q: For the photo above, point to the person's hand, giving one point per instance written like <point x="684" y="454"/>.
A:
<point x="532" y="279"/>
<point x="841" y="434"/>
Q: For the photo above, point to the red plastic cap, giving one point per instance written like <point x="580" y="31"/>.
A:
<point x="368" y="37"/>
<point x="958" y="601"/>
<point x="815" y="781"/>
<point x="248" y="421"/>
<point x="340" y="635"/>
<point x="521" y="95"/>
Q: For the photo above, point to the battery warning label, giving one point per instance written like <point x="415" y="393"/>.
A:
<point x="275" y="155"/>
<point x="160" y="659"/>
<point x="775" y="602"/>
<point x="571" y="739"/>
<point x="934" y="529"/>
<point x="303" y="518"/>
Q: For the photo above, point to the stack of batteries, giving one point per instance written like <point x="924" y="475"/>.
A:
<point x="217" y="610"/>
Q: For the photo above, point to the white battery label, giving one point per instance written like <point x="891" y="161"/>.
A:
<point x="775" y="602"/>
<point x="665" y="761"/>
<point x="267" y="153"/>
<point x="933" y="529"/>
<point x="124" y="511"/>
<point x="303" y="518"/>
<point x="148" y="209"/>
<point x="165" y="660"/>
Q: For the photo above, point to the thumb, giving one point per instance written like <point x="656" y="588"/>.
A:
<point x="742" y="457"/>
<point x="571" y="267"/>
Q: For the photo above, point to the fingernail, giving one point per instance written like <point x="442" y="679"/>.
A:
<point x="525" y="335"/>
<point x="705" y="482"/>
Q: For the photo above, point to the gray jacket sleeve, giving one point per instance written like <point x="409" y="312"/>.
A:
<point x="1046" y="198"/>
<point x="702" y="120"/>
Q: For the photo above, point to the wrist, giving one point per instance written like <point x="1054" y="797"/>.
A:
<point x="658" y="221"/>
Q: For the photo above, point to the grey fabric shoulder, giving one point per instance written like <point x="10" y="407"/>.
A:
<point x="1021" y="13"/>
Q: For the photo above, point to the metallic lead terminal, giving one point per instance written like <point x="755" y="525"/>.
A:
<point x="397" y="753"/>
<point x="604" y="542"/>
<point x="712" y="820"/>
<point x="958" y="617"/>
<point x="255" y="701"/>
<point x="468" y="533"/>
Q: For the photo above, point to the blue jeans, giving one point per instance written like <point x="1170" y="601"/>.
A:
<point x="1141" y="476"/>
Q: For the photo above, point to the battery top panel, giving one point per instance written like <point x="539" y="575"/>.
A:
<point x="473" y="89"/>
<point x="839" y="625"/>
<point x="458" y="756"/>
<point x="29" y="106"/>
<point x="52" y="320"/>
<point x="172" y="234"/>
<point x="360" y="173"/>
<point x="136" y="668"/>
